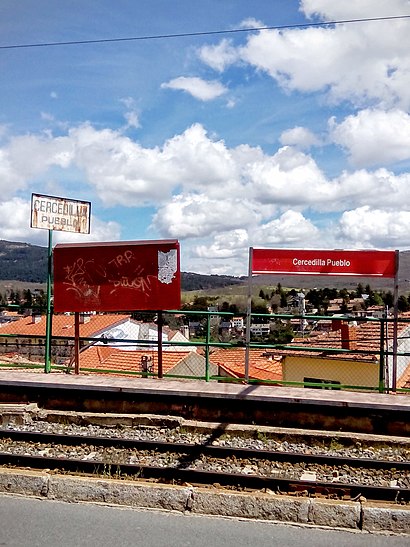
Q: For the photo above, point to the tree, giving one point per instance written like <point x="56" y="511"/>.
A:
<point x="40" y="300"/>
<point x="260" y="308"/>
<point x="359" y="290"/>
<point x="344" y="308"/>
<point x="388" y="299"/>
<point x="225" y="307"/>
<point x="375" y="299"/>
<point x="233" y="308"/>
<point x="403" y="304"/>
<point x="280" y="333"/>
<point x="28" y="298"/>
<point x="17" y="298"/>
<point x="344" y="293"/>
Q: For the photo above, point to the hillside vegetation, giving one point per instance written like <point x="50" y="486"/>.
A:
<point x="23" y="262"/>
<point x="28" y="263"/>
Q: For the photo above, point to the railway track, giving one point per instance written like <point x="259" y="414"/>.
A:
<point x="280" y="472"/>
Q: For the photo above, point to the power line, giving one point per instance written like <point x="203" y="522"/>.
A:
<point x="204" y="33"/>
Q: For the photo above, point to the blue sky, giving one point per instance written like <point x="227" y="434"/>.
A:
<point x="298" y="137"/>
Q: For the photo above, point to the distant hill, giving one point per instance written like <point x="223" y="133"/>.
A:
<point x="194" y="282"/>
<point x="28" y="263"/>
<point x="23" y="262"/>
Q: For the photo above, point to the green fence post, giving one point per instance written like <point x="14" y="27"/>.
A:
<point x="208" y="339"/>
<point x="160" y="323"/>
<point x="382" y="357"/>
<point x="47" y="349"/>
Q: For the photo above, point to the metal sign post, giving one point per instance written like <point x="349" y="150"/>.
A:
<point x="64" y="215"/>
<point x="395" y="323"/>
<point x="248" y="316"/>
<point x="47" y="352"/>
<point x="329" y="262"/>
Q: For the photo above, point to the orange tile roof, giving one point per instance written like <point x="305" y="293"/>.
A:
<point x="63" y="325"/>
<point x="404" y="380"/>
<point x="113" y="359"/>
<point x="366" y="338"/>
<point x="261" y="367"/>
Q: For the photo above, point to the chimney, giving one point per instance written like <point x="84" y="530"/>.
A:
<point x="185" y="331"/>
<point x="349" y="336"/>
<point x="84" y="318"/>
<point x="35" y="317"/>
<point x="336" y="324"/>
<point x="146" y="365"/>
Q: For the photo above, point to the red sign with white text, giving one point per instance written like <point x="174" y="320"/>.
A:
<point x="332" y="262"/>
<point x="119" y="276"/>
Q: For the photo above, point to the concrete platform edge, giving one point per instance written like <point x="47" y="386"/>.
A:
<point x="354" y="516"/>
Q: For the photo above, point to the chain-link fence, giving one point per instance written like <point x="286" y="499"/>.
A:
<point x="324" y="352"/>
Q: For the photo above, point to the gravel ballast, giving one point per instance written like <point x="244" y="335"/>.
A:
<point x="360" y="515"/>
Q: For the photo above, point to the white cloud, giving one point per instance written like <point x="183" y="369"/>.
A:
<point x="374" y="137"/>
<point x="125" y="173"/>
<point x="200" y="89"/>
<point x="219" y="56"/>
<point x="10" y="179"/>
<point x="301" y="137"/>
<point x="28" y="157"/>
<point x="364" y="187"/>
<point x="47" y="117"/>
<point x="227" y="198"/>
<point x="15" y="217"/>
<point x="233" y="243"/>
<point x="202" y="163"/>
<point x="290" y="229"/>
<point x="131" y="115"/>
<point x="331" y="10"/>
<point x="122" y="171"/>
<point x="132" y="119"/>
<point x="198" y="216"/>
<point x="376" y="227"/>
<point x="15" y="220"/>
<point x="290" y="177"/>
<point x="366" y="63"/>
<point x="99" y="231"/>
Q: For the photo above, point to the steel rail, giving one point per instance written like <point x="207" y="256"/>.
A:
<point x="187" y="476"/>
<point x="195" y="450"/>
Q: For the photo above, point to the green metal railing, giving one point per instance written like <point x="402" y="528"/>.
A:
<point x="208" y="343"/>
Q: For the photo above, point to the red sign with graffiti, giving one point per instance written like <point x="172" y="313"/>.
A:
<point x="119" y="276"/>
<point x="332" y="262"/>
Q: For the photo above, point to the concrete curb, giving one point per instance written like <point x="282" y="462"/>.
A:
<point x="264" y="506"/>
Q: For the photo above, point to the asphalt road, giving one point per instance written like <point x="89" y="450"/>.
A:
<point x="29" y="522"/>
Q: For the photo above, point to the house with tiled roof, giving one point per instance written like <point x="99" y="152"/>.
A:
<point x="316" y="359"/>
<point x="26" y="336"/>
<point x="142" y="362"/>
<point x="225" y="363"/>
<point x="262" y="366"/>
<point x="404" y="379"/>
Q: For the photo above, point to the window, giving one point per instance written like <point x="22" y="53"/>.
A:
<point x="326" y="384"/>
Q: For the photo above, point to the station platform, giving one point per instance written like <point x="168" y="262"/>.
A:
<point x="224" y="402"/>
